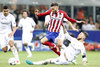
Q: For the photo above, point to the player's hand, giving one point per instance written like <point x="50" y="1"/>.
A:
<point x="36" y="12"/>
<point x="10" y="34"/>
<point x="45" y="24"/>
<point x="80" y="21"/>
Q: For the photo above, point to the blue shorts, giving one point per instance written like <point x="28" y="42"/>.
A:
<point x="51" y="36"/>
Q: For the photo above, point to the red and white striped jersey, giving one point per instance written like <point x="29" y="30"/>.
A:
<point x="56" y="19"/>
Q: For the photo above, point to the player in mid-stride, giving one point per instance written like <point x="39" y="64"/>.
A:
<point x="27" y="24"/>
<point x="7" y="23"/>
<point x="56" y="19"/>
<point x="70" y="53"/>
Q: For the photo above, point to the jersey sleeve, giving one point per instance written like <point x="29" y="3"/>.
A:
<point x="45" y="13"/>
<point x="33" y="22"/>
<point x="67" y="17"/>
<point x="47" y="19"/>
<point x="13" y="21"/>
<point x="83" y="53"/>
<point x="19" y="24"/>
<point x="70" y="38"/>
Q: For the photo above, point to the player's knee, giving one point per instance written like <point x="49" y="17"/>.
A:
<point x="43" y="40"/>
<point x="5" y="51"/>
<point x="25" y="44"/>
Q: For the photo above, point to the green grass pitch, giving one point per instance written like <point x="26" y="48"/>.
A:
<point x="93" y="59"/>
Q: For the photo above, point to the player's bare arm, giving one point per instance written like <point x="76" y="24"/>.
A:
<point x="12" y="33"/>
<point x="32" y="29"/>
<point x="72" y="26"/>
<point x="80" y="21"/>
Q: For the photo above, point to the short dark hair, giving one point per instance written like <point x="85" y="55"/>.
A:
<point x="25" y="11"/>
<point x="85" y="33"/>
<point x="54" y="4"/>
<point x="5" y="7"/>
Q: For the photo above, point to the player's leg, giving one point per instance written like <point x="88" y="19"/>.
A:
<point x="3" y="43"/>
<point x="14" y="50"/>
<point x="10" y="41"/>
<point x="62" y="59"/>
<point x="45" y="41"/>
<point x="45" y="62"/>
<point x="52" y="46"/>
<point x="59" y="42"/>
<point x="26" y="41"/>
<point x="27" y="49"/>
<point x="56" y="50"/>
<point x="49" y="39"/>
<point x="30" y="42"/>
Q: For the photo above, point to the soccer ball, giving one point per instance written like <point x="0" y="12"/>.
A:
<point x="12" y="61"/>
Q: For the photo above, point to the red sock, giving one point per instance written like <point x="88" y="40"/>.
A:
<point x="47" y="43"/>
<point x="55" y="50"/>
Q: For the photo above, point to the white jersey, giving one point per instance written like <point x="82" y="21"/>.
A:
<point x="6" y="23"/>
<point x="75" y="48"/>
<point x="26" y="25"/>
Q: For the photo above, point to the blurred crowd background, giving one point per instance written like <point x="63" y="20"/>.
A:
<point x="87" y="10"/>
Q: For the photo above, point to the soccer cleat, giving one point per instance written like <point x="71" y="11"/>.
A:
<point x="29" y="62"/>
<point x="18" y="62"/>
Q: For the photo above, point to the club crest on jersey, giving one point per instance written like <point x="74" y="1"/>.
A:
<point x="57" y="18"/>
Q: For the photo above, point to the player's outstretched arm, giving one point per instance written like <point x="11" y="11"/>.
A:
<point x="72" y="26"/>
<point x="13" y="32"/>
<point x="72" y="20"/>
<point x="83" y="53"/>
<point x="80" y="21"/>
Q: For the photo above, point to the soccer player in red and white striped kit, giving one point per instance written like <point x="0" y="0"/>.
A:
<point x="56" y="21"/>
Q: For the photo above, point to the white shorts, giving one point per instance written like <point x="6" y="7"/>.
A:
<point x="27" y="38"/>
<point x="60" y="60"/>
<point x="4" y="40"/>
<point x="70" y="53"/>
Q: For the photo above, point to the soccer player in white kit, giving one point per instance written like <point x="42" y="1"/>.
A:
<point x="7" y="30"/>
<point x="70" y="53"/>
<point x="27" y="25"/>
<point x="59" y="40"/>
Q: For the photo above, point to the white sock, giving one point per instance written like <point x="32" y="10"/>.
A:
<point x="32" y="46"/>
<point x="28" y="50"/>
<point x="14" y="51"/>
<point x="39" y="63"/>
<point x="43" y="62"/>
